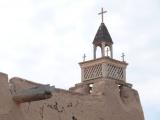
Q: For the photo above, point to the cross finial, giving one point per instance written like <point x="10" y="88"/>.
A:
<point x="84" y="57"/>
<point x="101" y="13"/>
<point x="123" y="57"/>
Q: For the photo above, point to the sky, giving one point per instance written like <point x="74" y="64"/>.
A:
<point x="44" y="40"/>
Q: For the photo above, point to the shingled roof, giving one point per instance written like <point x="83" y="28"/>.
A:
<point x="102" y="35"/>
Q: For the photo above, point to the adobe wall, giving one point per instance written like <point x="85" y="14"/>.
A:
<point x="106" y="102"/>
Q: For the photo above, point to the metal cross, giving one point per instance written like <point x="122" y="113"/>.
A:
<point x="84" y="57"/>
<point x="123" y="57"/>
<point x="101" y="13"/>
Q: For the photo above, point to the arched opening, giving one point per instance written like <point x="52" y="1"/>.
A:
<point x="90" y="88"/>
<point x="107" y="51"/>
<point x="98" y="52"/>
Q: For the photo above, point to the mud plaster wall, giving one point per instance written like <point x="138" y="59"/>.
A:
<point x="106" y="102"/>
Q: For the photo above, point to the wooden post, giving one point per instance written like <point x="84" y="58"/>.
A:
<point x="33" y="94"/>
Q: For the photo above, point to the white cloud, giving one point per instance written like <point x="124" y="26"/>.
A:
<point x="150" y="91"/>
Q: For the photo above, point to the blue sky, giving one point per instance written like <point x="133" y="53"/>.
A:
<point x="44" y="40"/>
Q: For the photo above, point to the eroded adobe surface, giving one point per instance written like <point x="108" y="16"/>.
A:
<point x="106" y="101"/>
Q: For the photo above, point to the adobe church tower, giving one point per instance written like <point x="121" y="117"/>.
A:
<point x="105" y="67"/>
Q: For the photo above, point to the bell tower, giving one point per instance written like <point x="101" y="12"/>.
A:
<point x="105" y="67"/>
<point x="102" y="39"/>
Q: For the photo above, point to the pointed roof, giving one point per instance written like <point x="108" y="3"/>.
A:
<point x="102" y="35"/>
